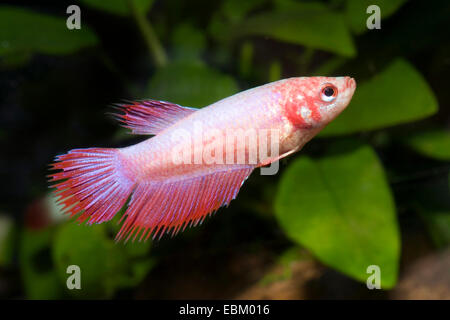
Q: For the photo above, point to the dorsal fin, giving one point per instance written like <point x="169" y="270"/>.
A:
<point x="151" y="116"/>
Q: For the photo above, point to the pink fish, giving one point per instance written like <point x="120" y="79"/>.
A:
<point x="178" y="176"/>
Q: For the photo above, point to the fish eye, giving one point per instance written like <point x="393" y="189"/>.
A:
<point x="328" y="93"/>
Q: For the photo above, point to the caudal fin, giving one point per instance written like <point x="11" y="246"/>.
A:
<point x="92" y="183"/>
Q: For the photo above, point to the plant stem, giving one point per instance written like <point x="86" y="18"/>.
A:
<point x="329" y="66"/>
<point x="151" y="40"/>
<point x="305" y="60"/>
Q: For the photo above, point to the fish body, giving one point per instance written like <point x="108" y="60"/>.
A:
<point x="195" y="162"/>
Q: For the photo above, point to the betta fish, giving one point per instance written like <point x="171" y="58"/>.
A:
<point x="177" y="177"/>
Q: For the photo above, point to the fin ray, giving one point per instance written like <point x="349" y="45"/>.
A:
<point x="149" y="117"/>
<point x="152" y="212"/>
<point x="92" y="184"/>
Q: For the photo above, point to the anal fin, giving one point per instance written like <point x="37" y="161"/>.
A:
<point x="157" y="208"/>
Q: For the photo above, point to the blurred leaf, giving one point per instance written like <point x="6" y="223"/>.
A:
<point x="432" y="202"/>
<point x="438" y="223"/>
<point x="14" y="60"/>
<point x="188" y="42"/>
<point x="396" y="95"/>
<point x="313" y="26"/>
<point x="356" y="15"/>
<point x="6" y="240"/>
<point x="327" y="67"/>
<point x="88" y="248"/>
<point x="23" y="31"/>
<point x="138" y="271"/>
<point x="282" y="268"/>
<point x="275" y="71"/>
<point x="235" y="10"/>
<point x="138" y="261"/>
<point x="218" y="28"/>
<point x="294" y="5"/>
<point x="105" y="266"/>
<point x="119" y="7"/>
<point x="190" y="84"/>
<point x="39" y="277"/>
<point x="432" y="143"/>
<point x="246" y="59"/>
<point x="340" y="207"/>
<point x="137" y="255"/>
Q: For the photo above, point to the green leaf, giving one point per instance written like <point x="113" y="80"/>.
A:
<point x="284" y="262"/>
<point x="340" y="207"/>
<point x="275" y="71"/>
<point x="396" y="95"/>
<point x="88" y="248"/>
<point x="190" y="84"/>
<point x="218" y="28"/>
<point x="313" y="26"/>
<point x="356" y="15"/>
<point x="235" y="10"/>
<point x="188" y="42"/>
<point x="119" y="7"/>
<point x="139" y="263"/>
<point x="431" y="200"/>
<point x="37" y="270"/>
<point x="438" y="224"/>
<point x="105" y="266"/>
<point x="23" y="31"/>
<point x="431" y="143"/>
<point x="246" y="59"/>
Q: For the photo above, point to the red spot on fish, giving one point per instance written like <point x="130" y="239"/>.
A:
<point x="295" y="94"/>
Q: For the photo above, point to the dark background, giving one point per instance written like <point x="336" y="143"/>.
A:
<point x="53" y="102"/>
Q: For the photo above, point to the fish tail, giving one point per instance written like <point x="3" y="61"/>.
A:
<point x="94" y="182"/>
<point x="91" y="181"/>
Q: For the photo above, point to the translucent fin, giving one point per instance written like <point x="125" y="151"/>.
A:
<point x="92" y="183"/>
<point x="156" y="208"/>
<point x="151" y="116"/>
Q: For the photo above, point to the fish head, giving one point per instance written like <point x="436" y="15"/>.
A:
<point x="313" y="102"/>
